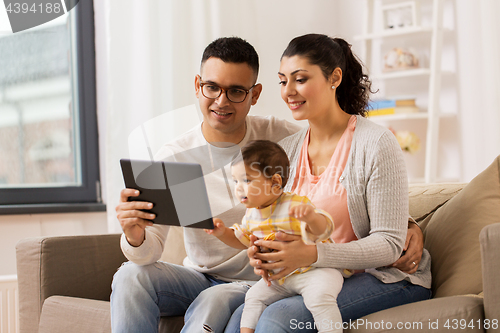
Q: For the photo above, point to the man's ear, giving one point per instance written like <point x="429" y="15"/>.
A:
<point x="197" y="80"/>
<point x="277" y="180"/>
<point x="256" y="93"/>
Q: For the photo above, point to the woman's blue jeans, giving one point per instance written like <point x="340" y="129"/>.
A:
<point x="361" y="295"/>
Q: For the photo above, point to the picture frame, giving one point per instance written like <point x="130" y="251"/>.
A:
<point x="401" y="15"/>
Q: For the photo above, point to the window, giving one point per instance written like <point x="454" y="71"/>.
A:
<point x="48" y="126"/>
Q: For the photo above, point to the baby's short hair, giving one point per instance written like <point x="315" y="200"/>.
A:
<point x="267" y="157"/>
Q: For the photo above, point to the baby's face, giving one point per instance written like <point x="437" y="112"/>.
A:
<point x="251" y="187"/>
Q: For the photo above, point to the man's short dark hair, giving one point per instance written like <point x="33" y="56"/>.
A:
<point x="232" y="49"/>
<point x="267" y="157"/>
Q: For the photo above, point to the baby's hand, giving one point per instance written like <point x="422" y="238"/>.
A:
<point x="218" y="230"/>
<point x="302" y="212"/>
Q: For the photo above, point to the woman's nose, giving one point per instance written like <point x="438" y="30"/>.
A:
<point x="289" y="89"/>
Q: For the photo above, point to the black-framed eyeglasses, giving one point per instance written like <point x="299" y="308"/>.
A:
<point x="213" y="91"/>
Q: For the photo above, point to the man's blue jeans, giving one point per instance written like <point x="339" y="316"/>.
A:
<point x="141" y="294"/>
<point x="361" y="295"/>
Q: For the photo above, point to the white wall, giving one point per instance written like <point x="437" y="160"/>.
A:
<point x="479" y="80"/>
<point x="273" y="27"/>
<point x="16" y="227"/>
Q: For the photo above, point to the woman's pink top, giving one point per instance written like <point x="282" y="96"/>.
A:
<point x="325" y="190"/>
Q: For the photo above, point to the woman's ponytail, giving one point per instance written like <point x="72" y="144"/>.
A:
<point x="354" y="91"/>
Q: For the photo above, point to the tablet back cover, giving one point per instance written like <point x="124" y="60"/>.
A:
<point x="177" y="191"/>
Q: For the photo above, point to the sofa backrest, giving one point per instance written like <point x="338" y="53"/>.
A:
<point x="452" y="234"/>
<point x="426" y="198"/>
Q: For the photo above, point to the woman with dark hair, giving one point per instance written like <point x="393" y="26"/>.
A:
<point x="353" y="169"/>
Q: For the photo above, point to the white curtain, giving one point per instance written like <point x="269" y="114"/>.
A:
<point x="149" y="51"/>
<point x="479" y="83"/>
<point x="149" y="71"/>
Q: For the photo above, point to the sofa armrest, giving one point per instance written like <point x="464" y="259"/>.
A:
<point x="76" y="266"/>
<point x="490" y="257"/>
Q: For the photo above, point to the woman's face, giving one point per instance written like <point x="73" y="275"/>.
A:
<point x="304" y="88"/>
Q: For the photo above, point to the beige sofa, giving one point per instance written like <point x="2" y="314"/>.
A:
<point x="64" y="282"/>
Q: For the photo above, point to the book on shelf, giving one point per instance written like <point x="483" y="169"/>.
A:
<point x="396" y="105"/>
<point x="405" y="101"/>
<point x="380" y="112"/>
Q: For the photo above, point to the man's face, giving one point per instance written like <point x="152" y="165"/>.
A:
<point x="223" y="120"/>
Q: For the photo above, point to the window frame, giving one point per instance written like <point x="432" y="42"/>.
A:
<point x="23" y="200"/>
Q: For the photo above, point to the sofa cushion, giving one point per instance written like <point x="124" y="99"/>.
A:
<point x="62" y="314"/>
<point x="452" y="234"/>
<point x="434" y="315"/>
<point x="171" y="324"/>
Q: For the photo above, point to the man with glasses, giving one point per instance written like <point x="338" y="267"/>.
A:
<point x="204" y="289"/>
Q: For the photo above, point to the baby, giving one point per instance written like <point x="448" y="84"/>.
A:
<point x="260" y="173"/>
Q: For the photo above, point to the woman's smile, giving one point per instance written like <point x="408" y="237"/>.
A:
<point x="295" y="105"/>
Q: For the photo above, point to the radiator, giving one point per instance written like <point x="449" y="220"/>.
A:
<point x="9" y="304"/>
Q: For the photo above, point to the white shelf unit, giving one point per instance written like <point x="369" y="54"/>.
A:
<point x="374" y="35"/>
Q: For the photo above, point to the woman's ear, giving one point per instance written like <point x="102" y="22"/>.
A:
<point x="336" y="77"/>
<point x="277" y="181"/>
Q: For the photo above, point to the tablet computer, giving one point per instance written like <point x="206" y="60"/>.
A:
<point x="177" y="191"/>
